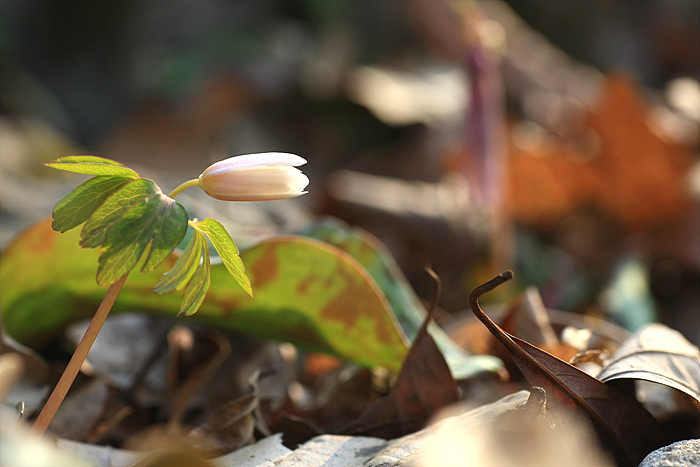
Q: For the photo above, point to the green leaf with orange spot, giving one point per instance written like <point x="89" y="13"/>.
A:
<point x="404" y="302"/>
<point x="306" y="292"/>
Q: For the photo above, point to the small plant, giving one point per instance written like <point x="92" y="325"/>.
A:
<point x="135" y="225"/>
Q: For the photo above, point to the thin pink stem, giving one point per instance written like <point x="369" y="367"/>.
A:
<point x="76" y="361"/>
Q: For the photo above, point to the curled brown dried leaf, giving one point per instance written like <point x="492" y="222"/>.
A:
<point x="423" y="387"/>
<point x="623" y="425"/>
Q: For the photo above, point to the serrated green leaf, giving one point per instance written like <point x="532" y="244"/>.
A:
<point x="92" y="165"/>
<point x="77" y="206"/>
<point x="168" y="232"/>
<point x="199" y="285"/>
<point x="126" y="240"/>
<point x="130" y="234"/>
<point x="185" y="266"/>
<point x="113" y="208"/>
<point x="227" y="249"/>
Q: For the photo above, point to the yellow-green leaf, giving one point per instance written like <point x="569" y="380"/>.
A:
<point x="185" y="266"/>
<point x="199" y="285"/>
<point x="92" y="165"/>
<point x="227" y="249"/>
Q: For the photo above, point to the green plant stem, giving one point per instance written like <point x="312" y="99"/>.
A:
<point x="179" y="189"/>
<point x="76" y="361"/>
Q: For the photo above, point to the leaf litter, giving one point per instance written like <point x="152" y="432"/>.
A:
<point x="422" y="388"/>
<point x="623" y="425"/>
<point x="660" y="355"/>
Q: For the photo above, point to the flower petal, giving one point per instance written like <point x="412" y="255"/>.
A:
<point x="250" y="161"/>
<point x="259" y="183"/>
<point x="249" y="197"/>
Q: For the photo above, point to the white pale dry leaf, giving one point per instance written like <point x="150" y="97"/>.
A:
<point x="512" y="440"/>
<point x="492" y="435"/>
<point x="19" y="448"/>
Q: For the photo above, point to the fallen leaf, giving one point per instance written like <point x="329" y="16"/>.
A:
<point x="407" y="306"/>
<point x="658" y="354"/>
<point x="81" y="411"/>
<point x="193" y="360"/>
<point x="323" y="403"/>
<point x="616" y="164"/>
<point x="342" y="395"/>
<point x="307" y="292"/>
<point x="193" y="357"/>
<point x="11" y="370"/>
<point x="519" y="437"/>
<point x="423" y="387"/>
<point x="527" y="317"/>
<point x="623" y="425"/>
<point x="232" y="425"/>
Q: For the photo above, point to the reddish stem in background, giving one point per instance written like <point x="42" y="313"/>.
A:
<point x="76" y="361"/>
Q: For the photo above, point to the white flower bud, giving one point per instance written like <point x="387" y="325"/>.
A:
<point x="255" y="177"/>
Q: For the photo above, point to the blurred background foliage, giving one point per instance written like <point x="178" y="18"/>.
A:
<point x="556" y="138"/>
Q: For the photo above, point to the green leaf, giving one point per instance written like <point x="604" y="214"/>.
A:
<point x="407" y="306"/>
<point x="306" y="292"/>
<point x="199" y="285"/>
<point x="79" y="204"/>
<point x="92" y="165"/>
<point x="168" y="231"/>
<point x="227" y="249"/>
<point x="113" y="208"/>
<point x="185" y="266"/>
<point x="150" y="219"/>
<point x="132" y="216"/>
